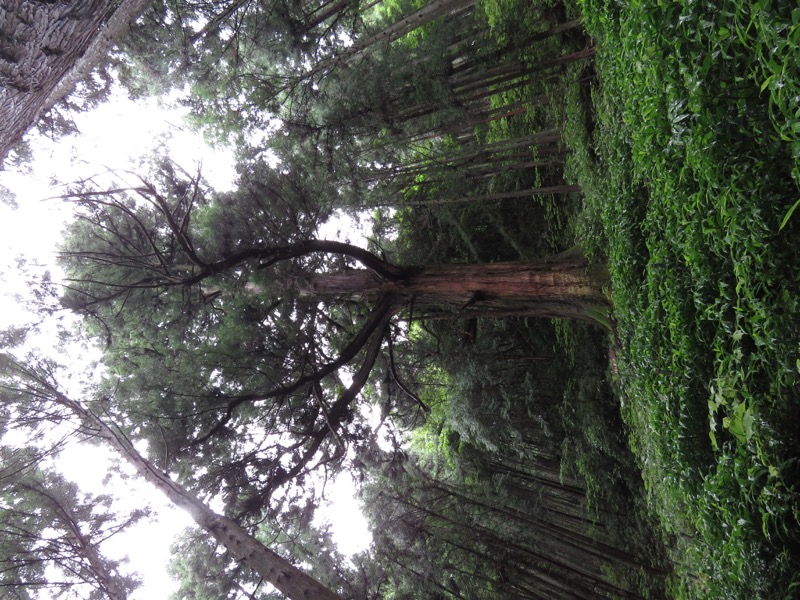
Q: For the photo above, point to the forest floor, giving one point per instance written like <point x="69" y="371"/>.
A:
<point x="686" y="144"/>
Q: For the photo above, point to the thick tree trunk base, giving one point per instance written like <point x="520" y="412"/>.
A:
<point x="564" y="286"/>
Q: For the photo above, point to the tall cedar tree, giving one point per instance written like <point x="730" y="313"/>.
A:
<point x="237" y="339"/>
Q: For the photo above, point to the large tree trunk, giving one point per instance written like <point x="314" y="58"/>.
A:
<point x="46" y="48"/>
<point x="564" y="286"/>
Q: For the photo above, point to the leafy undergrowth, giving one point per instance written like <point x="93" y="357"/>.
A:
<point x="689" y="163"/>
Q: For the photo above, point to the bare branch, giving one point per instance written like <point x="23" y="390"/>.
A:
<point x="400" y="384"/>
<point x="377" y="320"/>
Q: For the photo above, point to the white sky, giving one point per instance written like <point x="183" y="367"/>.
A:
<point x="117" y="135"/>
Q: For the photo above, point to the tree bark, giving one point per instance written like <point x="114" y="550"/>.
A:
<point x="425" y="15"/>
<point x="564" y="286"/>
<point x="278" y="571"/>
<point x="46" y="48"/>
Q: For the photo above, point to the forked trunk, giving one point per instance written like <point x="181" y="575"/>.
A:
<point x="564" y="286"/>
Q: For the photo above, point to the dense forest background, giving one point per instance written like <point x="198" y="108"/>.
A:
<point x="622" y="428"/>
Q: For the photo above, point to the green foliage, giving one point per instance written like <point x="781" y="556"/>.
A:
<point x="51" y="534"/>
<point x="693" y="172"/>
<point x="207" y="571"/>
<point x="519" y="484"/>
<point x="515" y="398"/>
<point x="511" y="423"/>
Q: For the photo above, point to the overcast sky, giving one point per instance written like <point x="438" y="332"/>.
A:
<point x="116" y="136"/>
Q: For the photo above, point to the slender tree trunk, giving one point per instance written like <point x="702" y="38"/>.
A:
<point x="108" y="582"/>
<point x="542" y="191"/>
<point x="328" y="10"/>
<point x="278" y="571"/>
<point x="425" y="15"/>
<point x="83" y="546"/>
<point x="564" y="286"/>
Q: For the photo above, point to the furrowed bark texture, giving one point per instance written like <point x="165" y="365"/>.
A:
<point x="46" y="48"/>
<point x="564" y="287"/>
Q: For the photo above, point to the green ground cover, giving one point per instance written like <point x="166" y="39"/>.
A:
<point x="688" y="156"/>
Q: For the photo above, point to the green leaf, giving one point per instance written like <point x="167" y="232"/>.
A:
<point x="789" y="214"/>
<point x="747" y="423"/>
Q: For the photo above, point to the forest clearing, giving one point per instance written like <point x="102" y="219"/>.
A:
<point x="563" y="363"/>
